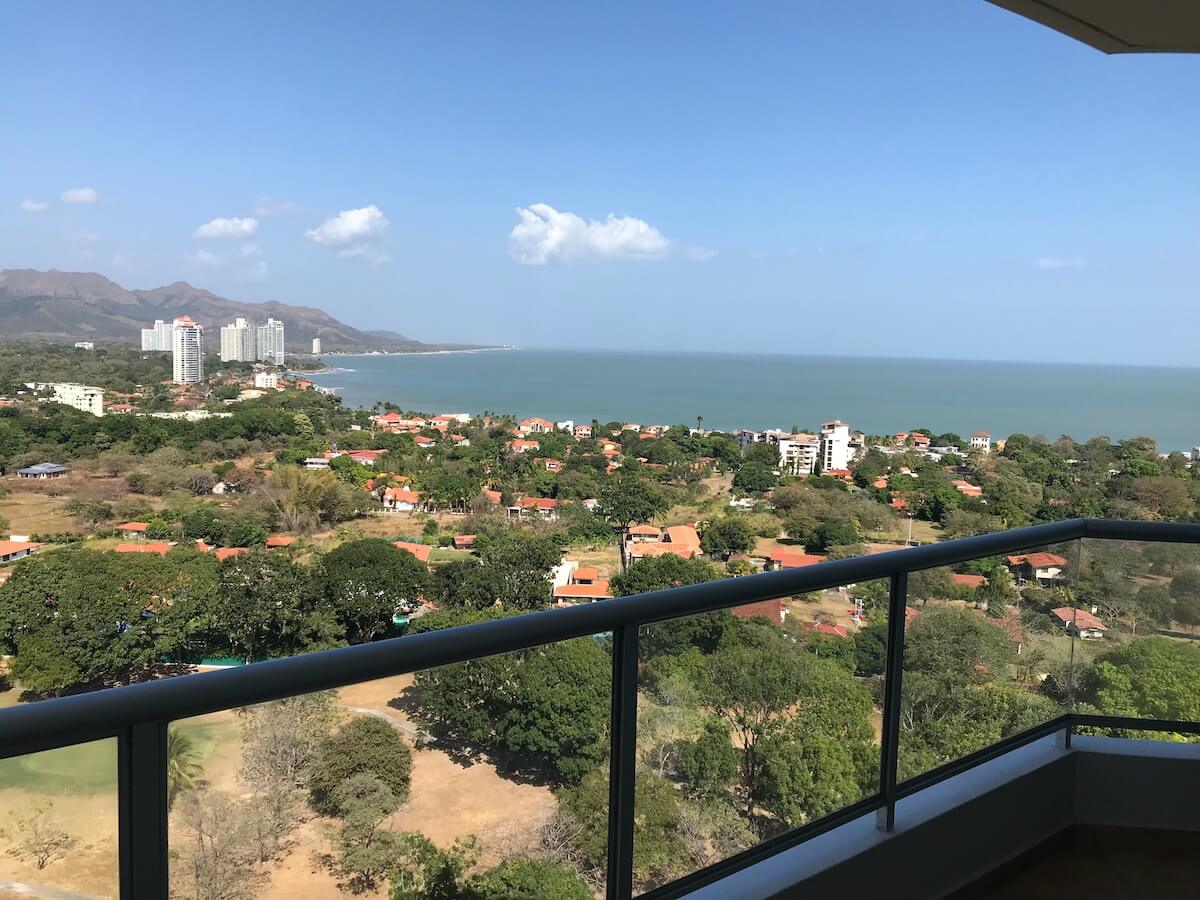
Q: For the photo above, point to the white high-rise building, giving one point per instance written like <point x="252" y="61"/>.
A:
<point x="80" y="396"/>
<point x="160" y="337"/>
<point x="316" y="345"/>
<point x="270" y="342"/>
<point x="266" y="380"/>
<point x="239" y="341"/>
<point x="188" y="351"/>
<point x="835" y="446"/>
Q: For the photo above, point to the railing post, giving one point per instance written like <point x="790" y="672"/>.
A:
<point x="622" y="765"/>
<point x="889" y="745"/>
<point x="142" y="811"/>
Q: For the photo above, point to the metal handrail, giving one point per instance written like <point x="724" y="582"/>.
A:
<point x="138" y="714"/>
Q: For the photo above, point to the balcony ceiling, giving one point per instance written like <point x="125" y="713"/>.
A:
<point x="1119" y="26"/>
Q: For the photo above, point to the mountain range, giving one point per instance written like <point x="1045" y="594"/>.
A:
<point x="57" y="306"/>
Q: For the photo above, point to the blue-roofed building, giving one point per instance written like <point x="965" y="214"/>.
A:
<point x="43" y="471"/>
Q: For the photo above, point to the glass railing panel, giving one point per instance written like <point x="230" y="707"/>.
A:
<point x="753" y="722"/>
<point x="480" y="775"/>
<point x="1137" y="623"/>
<point x="984" y="656"/>
<point x="58" y="822"/>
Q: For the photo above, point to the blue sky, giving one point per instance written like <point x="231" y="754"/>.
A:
<point x="932" y="179"/>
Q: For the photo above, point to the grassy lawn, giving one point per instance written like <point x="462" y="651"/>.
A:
<point x="92" y="768"/>
<point x="31" y="513"/>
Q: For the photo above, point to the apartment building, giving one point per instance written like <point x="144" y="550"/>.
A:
<point x="187" y="351"/>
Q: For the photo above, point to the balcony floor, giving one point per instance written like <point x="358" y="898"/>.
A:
<point x="1090" y="863"/>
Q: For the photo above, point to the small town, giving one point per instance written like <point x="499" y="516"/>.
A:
<point x="226" y="509"/>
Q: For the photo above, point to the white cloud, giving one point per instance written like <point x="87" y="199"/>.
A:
<point x="260" y="270"/>
<point x="120" y="260"/>
<point x="546" y="235"/>
<point x="266" y="207"/>
<point x="34" y="205"/>
<point x="699" y="254"/>
<point x="1061" y="262"/>
<point x="251" y="249"/>
<point x="349" y="225"/>
<point x="80" y="195"/>
<point x="370" y="254"/>
<point x="227" y="228"/>
<point x="204" y="258"/>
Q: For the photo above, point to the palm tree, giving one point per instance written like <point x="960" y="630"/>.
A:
<point x="182" y="766"/>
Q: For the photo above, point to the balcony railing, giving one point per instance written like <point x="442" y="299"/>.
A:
<point x="138" y="715"/>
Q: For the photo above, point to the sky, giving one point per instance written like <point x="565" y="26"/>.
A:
<point x="917" y="179"/>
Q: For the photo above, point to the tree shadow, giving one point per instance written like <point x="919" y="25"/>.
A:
<point x="519" y="768"/>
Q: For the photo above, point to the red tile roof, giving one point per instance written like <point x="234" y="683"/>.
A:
<point x="420" y="551"/>
<point x="1040" y="560"/>
<point x="230" y="552"/>
<point x="133" y="526"/>
<point x="585" y="573"/>
<point x="1081" y="617"/>
<point x="825" y="628"/>
<point x="644" y="531"/>
<point x="7" y="548"/>
<point x="537" y="503"/>
<point x="281" y="540"/>
<point x="681" y="534"/>
<point x="464" y="540"/>
<point x="162" y="549"/>
<point x="597" y="591"/>
<point x="493" y="496"/>
<point x="771" y="609"/>
<point x="794" y="559"/>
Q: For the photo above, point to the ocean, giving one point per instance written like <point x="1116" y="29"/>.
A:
<point x="735" y="390"/>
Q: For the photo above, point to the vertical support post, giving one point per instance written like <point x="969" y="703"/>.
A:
<point x="622" y="765"/>
<point x="889" y="746"/>
<point x="142" y="811"/>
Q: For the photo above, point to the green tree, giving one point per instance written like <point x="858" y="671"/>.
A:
<point x="954" y="643"/>
<point x="269" y="606"/>
<point x="549" y="704"/>
<point x="626" y="498"/>
<point x="657" y="573"/>
<point x="832" y="534"/>
<point x="521" y="564"/>
<point x="183" y="766"/>
<point x="367" y="582"/>
<point x="709" y="764"/>
<point x="364" y="745"/>
<point x="727" y="536"/>
<point x="1151" y="677"/>
<point x="526" y="879"/>
<point x="366" y="851"/>
<point x="755" y="477"/>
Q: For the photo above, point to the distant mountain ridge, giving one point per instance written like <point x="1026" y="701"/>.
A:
<point x="85" y="306"/>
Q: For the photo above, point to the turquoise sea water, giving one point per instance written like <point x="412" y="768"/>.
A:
<point x="769" y="391"/>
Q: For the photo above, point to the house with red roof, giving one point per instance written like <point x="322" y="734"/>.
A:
<point x="425" y="443"/>
<point x="790" y="558"/>
<point x="420" y="551"/>
<point x="1079" y="622"/>
<point x="1042" y="567"/>
<point x="546" y="507"/>
<point x="642" y="533"/>
<point x="493" y="497"/>
<point x="133" y="529"/>
<point x="460" y="440"/>
<point x="402" y="499"/>
<point x="464" y="541"/>
<point x="11" y="551"/>
<point x="582" y="431"/>
<point x="585" y="585"/>
<point x="520" y="445"/>
<point x="767" y="609"/>
<point x="536" y="426"/>
<point x="224" y="553"/>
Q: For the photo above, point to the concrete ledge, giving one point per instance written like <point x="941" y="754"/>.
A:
<point x="953" y="833"/>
